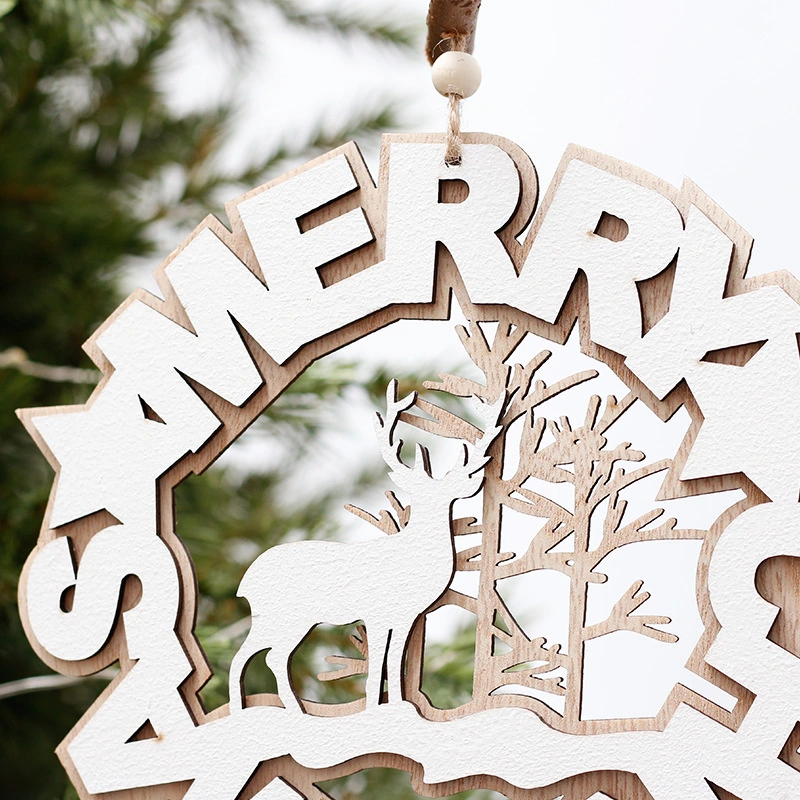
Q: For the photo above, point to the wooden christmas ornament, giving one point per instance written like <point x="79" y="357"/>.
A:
<point x="654" y="279"/>
<point x="628" y="644"/>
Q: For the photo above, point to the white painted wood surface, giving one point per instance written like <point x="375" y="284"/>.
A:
<point x="363" y="257"/>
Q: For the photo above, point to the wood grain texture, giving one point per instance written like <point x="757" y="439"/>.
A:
<point x="777" y="580"/>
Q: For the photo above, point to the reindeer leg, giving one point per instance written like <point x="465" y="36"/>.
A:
<point x="376" y="654"/>
<point x="394" y="663"/>
<point x="250" y="646"/>
<point x="282" y="669"/>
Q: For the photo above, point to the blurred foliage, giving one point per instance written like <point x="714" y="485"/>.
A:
<point x="92" y="160"/>
<point x="87" y="142"/>
<point x="448" y="670"/>
<point x="387" y="784"/>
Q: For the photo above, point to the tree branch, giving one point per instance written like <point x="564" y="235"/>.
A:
<point x="43" y="683"/>
<point x="16" y="358"/>
<point x="541" y="392"/>
<point x="470" y="560"/>
<point x="386" y="521"/>
<point x="530" y="678"/>
<point x="453" y="598"/>
<point x="350" y="665"/>
<point x="444" y="423"/>
<point x="622" y="618"/>
<point x="464" y="526"/>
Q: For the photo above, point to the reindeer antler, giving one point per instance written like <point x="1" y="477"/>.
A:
<point x="402" y="474"/>
<point x="385" y="428"/>
<point x="476" y="458"/>
<point x="475" y="455"/>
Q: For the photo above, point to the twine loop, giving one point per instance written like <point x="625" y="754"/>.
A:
<point x="452" y="155"/>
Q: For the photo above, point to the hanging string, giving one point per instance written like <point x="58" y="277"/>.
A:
<point x="455" y="72"/>
<point x="452" y="155"/>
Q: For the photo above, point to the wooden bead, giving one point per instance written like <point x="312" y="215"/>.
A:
<point x="456" y="73"/>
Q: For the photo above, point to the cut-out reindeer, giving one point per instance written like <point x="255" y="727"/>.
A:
<point x="388" y="582"/>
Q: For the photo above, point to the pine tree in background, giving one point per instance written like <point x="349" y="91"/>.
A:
<point x="87" y="140"/>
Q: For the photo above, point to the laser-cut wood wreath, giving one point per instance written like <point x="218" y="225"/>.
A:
<point x="572" y="623"/>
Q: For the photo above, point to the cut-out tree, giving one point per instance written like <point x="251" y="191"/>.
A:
<point x="571" y="542"/>
<point x="598" y="472"/>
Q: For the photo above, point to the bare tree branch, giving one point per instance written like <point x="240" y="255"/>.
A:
<point x="350" y="665"/>
<point x="16" y="358"/>
<point x="554" y="685"/>
<point x="453" y="598"/>
<point x="470" y="560"/>
<point x="390" y="522"/>
<point x="444" y="423"/>
<point x="464" y="526"/>
<point x="622" y="618"/>
<point x="44" y="683"/>
<point x="455" y="385"/>
<point x="541" y="392"/>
